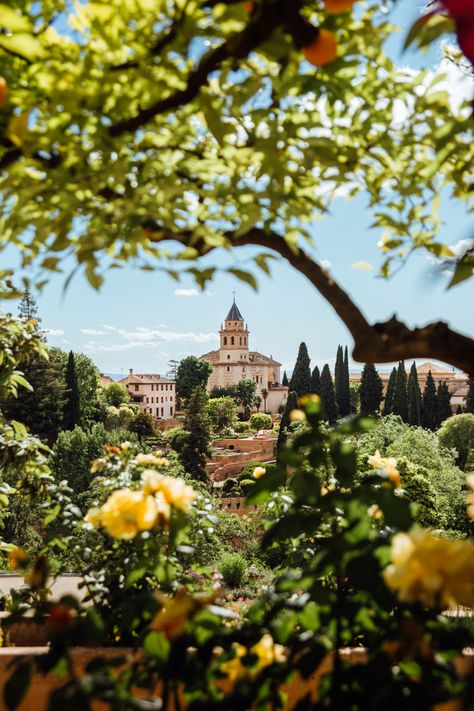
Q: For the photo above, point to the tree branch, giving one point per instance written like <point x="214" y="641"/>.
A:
<point x="383" y="342"/>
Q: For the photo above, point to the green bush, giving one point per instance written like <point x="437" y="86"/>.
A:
<point x="260" y="421"/>
<point x="230" y="487"/>
<point x="176" y="437"/>
<point x="247" y="473"/>
<point x="233" y="568"/>
<point x="222" y="412"/>
<point x="246" y="485"/>
<point x="458" y="433"/>
<point x="242" y="427"/>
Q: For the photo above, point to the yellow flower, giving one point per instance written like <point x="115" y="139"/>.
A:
<point x="297" y="416"/>
<point x="98" y="464"/>
<point x="128" y="512"/>
<point x="266" y="651"/>
<point x="176" y="611"/>
<point x="375" y="512"/>
<point x="94" y="517"/>
<point x="17" y="558"/>
<point x="126" y="446"/>
<point x="258" y="472"/>
<point x="388" y="465"/>
<point x="151" y="460"/>
<point x="470" y="496"/>
<point x="437" y="572"/>
<point x="174" y="491"/>
<point x="305" y="399"/>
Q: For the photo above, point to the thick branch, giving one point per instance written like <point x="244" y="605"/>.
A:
<point x="384" y="342"/>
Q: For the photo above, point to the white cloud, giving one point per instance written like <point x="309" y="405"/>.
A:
<point x="144" y="335"/>
<point x="186" y="292"/>
<point x="54" y="331"/>
<point x="109" y="328"/>
<point x="93" y="332"/>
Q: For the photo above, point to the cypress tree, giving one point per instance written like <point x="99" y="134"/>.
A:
<point x="469" y="404"/>
<point x="371" y="390"/>
<point x="316" y="381"/>
<point x="300" y="382"/>
<point x="400" y="396"/>
<point x="285" y="379"/>
<point x="291" y="404"/>
<point x="429" y="404"/>
<point x="444" y="403"/>
<point x="328" y="396"/>
<point x="414" y="397"/>
<point x="72" y="411"/>
<point x="388" y="402"/>
<point x="343" y="394"/>
<point x="195" y="447"/>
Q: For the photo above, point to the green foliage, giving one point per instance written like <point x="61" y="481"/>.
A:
<point x="429" y="404"/>
<point x="415" y="480"/>
<point x="192" y="373"/>
<point x="328" y="396"/>
<point x="458" y="433"/>
<point x="222" y="413"/>
<point x="400" y="396"/>
<point x="284" y="380"/>
<point x="291" y="404"/>
<point x="142" y="425"/>
<point x="88" y="384"/>
<point x="119" y="417"/>
<point x="371" y="390"/>
<point x="233" y="568"/>
<point x="116" y="394"/>
<point x="342" y="390"/>
<point x="414" y="397"/>
<point x="300" y="382"/>
<point x="246" y="395"/>
<point x="260" y="421"/>
<point x="469" y="406"/>
<point x="390" y="392"/>
<point x="194" y="448"/>
<point x="443" y="402"/>
<point x="315" y="381"/>
<point x="355" y="396"/>
<point x="72" y="408"/>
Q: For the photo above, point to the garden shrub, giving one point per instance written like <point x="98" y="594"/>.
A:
<point x="230" y="487"/>
<point x="242" y="427"/>
<point x="246" y="485"/>
<point x="233" y="568"/>
<point x="260" y="421"/>
<point x="457" y="433"/>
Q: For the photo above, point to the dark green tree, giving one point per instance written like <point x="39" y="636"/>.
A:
<point x="285" y="379"/>
<point x="429" y="404"/>
<point x="400" y="396"/>
<point x="469" y="404"/>
<point x="246" y="395"/>
<point x="371" y="390"/>
<point x="291" y="404"/>
<point x="192" y="373"/>
<point x="414" y="397"/>
<point x="459" y="410"/>
<point x="300" y="382"/>
<point x="142" y="425"/>
<point x="328" y="396"/>
<point x="343" y="393"/>
<point x="316" y="381"/>
<point x="72" y="409"/>
<point x="388" y="402"/>
<point x="443" y="403"/>
<point x="27" y="308"/>
<point x="195" y="446"/>
<point x="116" y="394"/>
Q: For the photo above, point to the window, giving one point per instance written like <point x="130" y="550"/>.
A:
<point x="157" y="410"/>
<point x="225" y="340"/>
<point x="162" y="411"/>
<point x="171" y="412"/>
<point x="240" y="341"/>
<point x="228" y="369"/>
<point x="171" y="399"/>
<point x="232" y="340"/>
<point x="228" y="357"/>
<point x="136" y="387"/>
<point x="162" y="400"/>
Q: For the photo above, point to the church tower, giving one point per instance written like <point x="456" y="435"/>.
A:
<point x="234" y="335"/>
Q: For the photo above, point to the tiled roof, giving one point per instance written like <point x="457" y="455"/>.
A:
<point x="234" y="314"/>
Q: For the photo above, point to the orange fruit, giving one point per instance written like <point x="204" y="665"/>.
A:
<point x="336" y="6"/>
<point x="323" y="50"/>
<point x="3" y="92"/>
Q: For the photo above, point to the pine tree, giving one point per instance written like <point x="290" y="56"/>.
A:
<point x="400" y="396"/>
<point x="285" y="379"/>
<point x="388" y="402"/>
<point x="414" y="397"/>
<point x="316" y="381"/>
<point x="469" y="404"/>
<point x="300" y="382"/>
<point x="291" y="404"/>
<point x="444" y="403"/>
<point x="371" y="390"/>
<point x="343" y="393"/>
<point x="72" y="411"/>
<point x="195" y="447"/>
<point x="429" y="404"/>
<point x="328" y="396"/>
<point x="27" y="308"/>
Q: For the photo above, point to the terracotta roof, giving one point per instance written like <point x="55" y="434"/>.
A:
<point x="146" y="378"/>
<point x="426" y="367"/>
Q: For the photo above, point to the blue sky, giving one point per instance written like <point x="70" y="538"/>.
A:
<point x="141" y="320"/>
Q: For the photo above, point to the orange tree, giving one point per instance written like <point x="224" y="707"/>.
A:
<point x="156" y="132"/>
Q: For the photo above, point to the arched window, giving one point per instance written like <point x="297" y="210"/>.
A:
<point x="240" y="341"/>
<point x="225" y="340"/>
<point x="232" y="340"/>
<point x="245" y="341"/>
<point x="228" y="357"/>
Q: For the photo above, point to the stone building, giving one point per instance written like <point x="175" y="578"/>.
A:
<point x="155" y="395"/>
<point x="234" y="361"/>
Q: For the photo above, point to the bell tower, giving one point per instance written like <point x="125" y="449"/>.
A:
<point x="234" y="335"/>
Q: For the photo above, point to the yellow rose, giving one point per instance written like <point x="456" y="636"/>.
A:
<point x="175" y="491"/>
<point x="127" y="512"/>
<point x="258" y="472"/>
<point x="388" y="465"/>
<point x="305" y="399"/>
<point x="151" y="460"/>
<point x="176" y="611"/>
<point x="470" y="496"/>
<point x="266" y="651"/>
<point x="94" y="517"/>
<point x="17" y="558"/>
<point x="297" y="416"/>
<point x="375" y="512"/>
<point x="437" y="572"/>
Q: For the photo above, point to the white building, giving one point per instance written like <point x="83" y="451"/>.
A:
<point x="234" y="361"/>
<point x="155" y="395"/>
